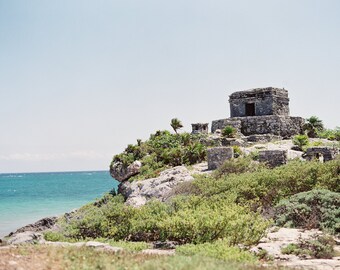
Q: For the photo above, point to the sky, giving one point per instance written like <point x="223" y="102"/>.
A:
<point x="81" y="79"/>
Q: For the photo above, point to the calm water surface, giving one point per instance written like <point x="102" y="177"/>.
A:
<point x="27" y="197"/>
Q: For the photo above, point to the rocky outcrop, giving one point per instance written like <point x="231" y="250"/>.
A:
<point x="27" y="237"/>
<point x="121" y="172"/>
<point x="39" y="226"/>
<point x="273" y="243"/>
<point x="138" y="193"/>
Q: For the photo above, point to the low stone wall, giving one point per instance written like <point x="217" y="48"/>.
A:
<point x="273" y="158"/>
<point x="222" y="123"/>
<point x="218" y="155"/>
<point x="284" y="126"/>
<point x="328" y="153"/>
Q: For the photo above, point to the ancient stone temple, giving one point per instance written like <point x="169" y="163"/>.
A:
<point x="258" y="102"/>
<point x="261" y="111"/>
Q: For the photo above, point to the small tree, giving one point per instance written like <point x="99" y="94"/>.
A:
<point x="176" y="124"/>
<point x="312" y="126"/>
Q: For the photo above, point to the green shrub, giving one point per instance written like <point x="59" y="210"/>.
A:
<point x="110" y="220"/>
<point x="330" y="134"/>
<point x="229" y="132"/>
<point x="219" y="250"/>
<point x="55" y="237"/>
<point x="237" y="165"/>
<point x="265" y="187"/>
<point x="237" y="151"/>
<point x="145" y="225"/>
<point x="300" y="141"/>
<point x="320" y="247"/>
<point x="254" y="155"/>
<point x="161" y="151"/>
<point x="312" y="209"/>
<point x="211" y="220"/>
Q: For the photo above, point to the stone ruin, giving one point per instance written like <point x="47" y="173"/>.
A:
<point x="200" y="128"/>
<point x="261" y="111"/>
<point x="273" y="158"/>
<point x="218" y="155"/>
<point x="321" y="153"/>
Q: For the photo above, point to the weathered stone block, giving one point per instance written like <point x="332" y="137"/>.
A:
<point x="218" y="155"/>
<point x="273" y="158"/>
<point x="322" y="153"/>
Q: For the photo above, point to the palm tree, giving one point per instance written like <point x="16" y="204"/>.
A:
<point x="312" y="126"/>
<point x="176" y="124"/>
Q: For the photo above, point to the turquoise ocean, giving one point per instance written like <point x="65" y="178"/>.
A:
<point x="28" y="197"/>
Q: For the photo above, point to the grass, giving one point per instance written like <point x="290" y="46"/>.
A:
<point x="71" y="258"/>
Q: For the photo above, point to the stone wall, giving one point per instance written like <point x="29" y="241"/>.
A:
<point x="273" y="158"/>
<point x="222" y="123"/>
<point x="218" y="155"/>
<point x="200" y="128"/>
<point x="326" y="153"/>
<point x="284" y="126"/>
<point x="265" y="101"/>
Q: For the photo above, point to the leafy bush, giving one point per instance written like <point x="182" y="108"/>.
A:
<point x="237" y="151"/>
<point x="229" y="132"/>
<point x="189" y="219"/>
<point x="265" y="187"/>
<point x="219" y="250"/>
<point x="55" y="237"/>
<point x="300" y="141"/>
<point x="163" y="150"/>
<point x="320" y="247"/>
<point x="209" y="221"/>
<point x="312" y="209"/>
<point x="109" y="220"/>
<point x="237" y="165"/>
<point x="330" y="134"/>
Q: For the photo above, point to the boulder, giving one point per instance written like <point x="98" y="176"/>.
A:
<point x="138" y="193"/>
<point x="121" y="172"/>
<point x="27" y="237"/>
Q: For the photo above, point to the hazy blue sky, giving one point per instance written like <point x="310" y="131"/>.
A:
<point x="81" y="79"/>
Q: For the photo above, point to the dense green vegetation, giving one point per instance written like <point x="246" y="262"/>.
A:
<point x="185" y="220"/>
<point x="311" y="209"/>
<point x="330" y="134"/>
<point x="218" y="212"/>
<point x="164" y="150"/>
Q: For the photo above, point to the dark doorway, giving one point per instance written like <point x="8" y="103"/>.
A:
<point x="250" y="109"/>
